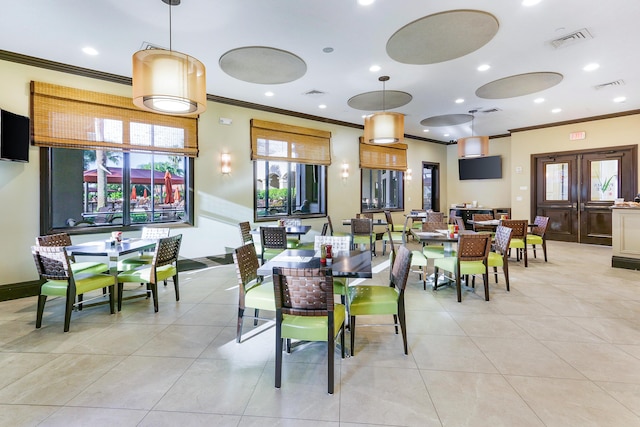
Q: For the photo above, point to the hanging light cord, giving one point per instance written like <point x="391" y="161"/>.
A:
<point x="170" y="44"/>
<point x="383" y="79"/>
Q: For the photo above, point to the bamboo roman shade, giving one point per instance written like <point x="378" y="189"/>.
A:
<point x="386" y="157"/>
<point x="275" y="141"/>
<point x="73" y="118"/>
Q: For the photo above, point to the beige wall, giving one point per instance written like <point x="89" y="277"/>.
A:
<point x="221" y="201"/>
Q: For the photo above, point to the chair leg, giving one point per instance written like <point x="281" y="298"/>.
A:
<point x="524" y="255"/>
<point x="112" y="300"/>
<point x="495" y="273"/>
<point x="534" y="250"/>
<point x="239" y="324"/>
<point x="67" y="311"/>
<point x="331" y="347"/>
<point x="278" y="353"/>
<point x="154" y="293"/>
<point x="176" y="286"/>
<point x="544" y="249"/>
<point x="505" y="269"/>
<point x="458" y="286"/>
<point x="485" y="279"/>
<point x="80" y="299"/>
<point x="403" y="323"/>
<point x="395" y="323"/>
<point x="343" y="350"/>
<point x="42" y="299"/>
<point x="435" y="278"/>
<point x="352" y="330"/>
<point x="120" y="288"/>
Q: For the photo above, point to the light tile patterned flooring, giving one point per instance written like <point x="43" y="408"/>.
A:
<point x="561" y="349"/>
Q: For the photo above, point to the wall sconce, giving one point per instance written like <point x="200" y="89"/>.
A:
<point x="345" y="170"/>
<point x="225" y="163"/>
<point x="407" y="175"/>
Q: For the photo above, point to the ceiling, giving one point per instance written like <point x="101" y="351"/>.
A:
<point x="448" y="47"/>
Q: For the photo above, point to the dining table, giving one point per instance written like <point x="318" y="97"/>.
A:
<point x="348" y="264"/>
<point x="292" y="230"/>
<point x="112" y="250"/>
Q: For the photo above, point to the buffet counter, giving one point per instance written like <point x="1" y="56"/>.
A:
<point x="626" y="237"/>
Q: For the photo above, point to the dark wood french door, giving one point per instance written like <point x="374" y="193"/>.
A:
<point x="575" y="190"/>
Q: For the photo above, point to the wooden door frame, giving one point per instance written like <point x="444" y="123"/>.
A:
<point x="435" y="185"/>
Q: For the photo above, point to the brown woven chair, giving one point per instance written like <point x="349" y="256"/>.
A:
<point x="273" y="241"/>
<point x="151" y="233"/>
<point x="305" y="310"/>
<point x="393" y="234"/>
<point x="472" y="254"/>
<point x="500" y="256"/>
<point x="537" y="235"/>
<point x="54" y="266"/>
<point x="63" y="239"/>
<point x="163" y="266"/>
<point x="518" y="237"/>
<point x="435" y="217"/>
<point x="482" y="217"/>
<point x="332" y="232"/>
<point x="254" y="291"/>
<point x="457" y="220"/>
<point x="362" y="233"/>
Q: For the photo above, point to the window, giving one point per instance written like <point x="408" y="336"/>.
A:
<point x="382" y="190"/>
<point x="106" y="164"/>
<point x="290" y="170"/>
<point x="289" y="189"/>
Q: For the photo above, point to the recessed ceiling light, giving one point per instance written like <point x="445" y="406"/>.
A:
<point x="591" y="67"/>
<point x="556" y="110"/>
<point x="530" y="2"/>
<point x="538" y="100"/>
<point x="620" y="99"/>
<point x="425" y="130"/>
<point x="374" y="68"/>
<point x="322" y="106"/>
<point x="365" y="2"/>
<point x="89" y="51"/>
<point x="269" y="93"/>
<point x="459" y="101"/>
<point x="484" y="67"/>
<point x="446" y="134"/>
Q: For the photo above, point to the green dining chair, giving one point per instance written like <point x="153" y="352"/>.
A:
<point x="54" y="267"/>
<point x="247" y="237"/>
<point x="148" y="233"/>
<point x="499" y="257"/>
<point x="163" y="266"/>
<point x="471" y="258"/>
<point x="63" y="239"/>
<point x="254" y="291"/>
<point x="395" y="235"/>
<point x="273" y="241"/>
<point x="518" y="237"/>
<point x="338" y="244"/>
<point x="305" y="311"/>
<point x="383" y="300"/>
<point x="537" y="235"/>
<point x="362" y="233"/>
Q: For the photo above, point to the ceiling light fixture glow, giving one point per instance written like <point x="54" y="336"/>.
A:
<point x="459" y="101"/>
<point x="556" y="110"/>
<point x="169" y="82"/>
<point x="384" y="127"/>
<point x="483" y="67"/>
<point x="538" y="100"/>
<point x="90" y="51"/>
<point x="619" y="99"/>
<point x="269" y="93"/>
<point x="473" y="146"/>
<point x="374" y="68"/>
<point x="591" y="67"/>
<point x="365" y="2"/>
<point x="530" y="2"/>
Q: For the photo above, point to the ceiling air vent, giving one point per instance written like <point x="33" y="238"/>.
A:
<point x="611" y="84"/>
<point x="572" y="38"/>
<point x="314" y="93"/>
<point x="147" y="45"/>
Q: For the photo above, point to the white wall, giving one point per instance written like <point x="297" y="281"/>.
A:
<point x="221" y="201"/>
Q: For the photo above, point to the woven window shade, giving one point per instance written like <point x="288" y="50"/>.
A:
<point x="275" y="141"/>
<point x="386" y="157"/>
<point x="74" y="118"/>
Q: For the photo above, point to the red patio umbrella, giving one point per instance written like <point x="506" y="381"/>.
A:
<point x="134" y="196"/>
<point x="176" y="195"/>
<point x="168" y="198"/>
<point x="144" y="194"/>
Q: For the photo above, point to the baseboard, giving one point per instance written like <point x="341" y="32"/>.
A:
<point x="628" y="263"/>
<point x="32" y="288"/>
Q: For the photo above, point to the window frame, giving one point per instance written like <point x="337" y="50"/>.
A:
<point x="401" y="189"/>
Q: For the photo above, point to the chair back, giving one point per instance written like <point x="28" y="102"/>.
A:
<point x="401" y="267"/>
<point x="393" y="248"/>
<point x="518" y="227"/>
<point x="245" y="232"/>
<point x="330" y="225"/>
<point x="273" y="237"/>
<point x="155" y="232"/>
<point x="457" y="220"/>
<point x="433" y="226"/>
<point x="325" y="228"/>
<point x="474" y="247"/>
<point x="361" y="226"/>
<point x="52" y="262"/>
<point x="541" y="223"/>
<point x="167" y="251"/>
<point x="389" y="218"/>
<point x="365" y="215"/>
<point x="502" y="239"/>
<point x="303" y="291"/>
<point x="435" y="217"/>
<point x="338" y="243"/>
<point x="247" y="264"/>
<point x="482" y="217"/>
<point x="59" y="239"/>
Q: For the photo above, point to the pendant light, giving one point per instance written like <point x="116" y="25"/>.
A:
<point x="384" y="127"/>
<point x="473" y="146"/>
<point x="169" y="82"/>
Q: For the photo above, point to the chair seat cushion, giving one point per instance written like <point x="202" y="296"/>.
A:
<point x="359" y="239"/>
<point x="312" y="328"/>
<point x="292" y="243"/>
<point x="466" y="267"/>
<point x="533" y="239"/>
<point x="373" y="300"/>
<point x="271" y="253"/>
<point x="261" y="296"/>
<point x="89" y="267"/>
<point x="84" y="284"/>
<point x="495" y="260"/>
<point x="133" y="262"/>
<point x="433" y="251"/>
<point x="395" y="236"/>
<point x="339" y="286"/>
<point x="418" y="258"/>
<point x="143" y="274"/>
<point x="517" y="243"/>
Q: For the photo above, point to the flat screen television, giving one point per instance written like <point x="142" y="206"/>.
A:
<point x="489" y="167"/>
<point x="14" y="137"/>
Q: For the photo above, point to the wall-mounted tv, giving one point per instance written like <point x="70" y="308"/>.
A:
<point x="489" y="167"/>
<point x="14" y="137"/>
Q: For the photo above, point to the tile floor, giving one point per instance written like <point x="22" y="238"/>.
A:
<point x="561" y="349"/>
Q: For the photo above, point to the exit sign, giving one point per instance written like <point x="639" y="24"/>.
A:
<point x="577" y="135"/>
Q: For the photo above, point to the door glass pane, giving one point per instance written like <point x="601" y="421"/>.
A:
<point x="556" y="181"/>
<point x="427" y="182"/>
<point x="604" y="180"/>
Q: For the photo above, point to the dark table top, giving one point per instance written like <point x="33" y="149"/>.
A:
<point x="351" y="264"/>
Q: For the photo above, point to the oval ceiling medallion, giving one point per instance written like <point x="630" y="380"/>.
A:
<point x="263" y="65"/>
<point x="447" y="120"/>
<point x="442" y="36"/>
<point x="518" y="85"/>
<point x="373" y="101"/>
